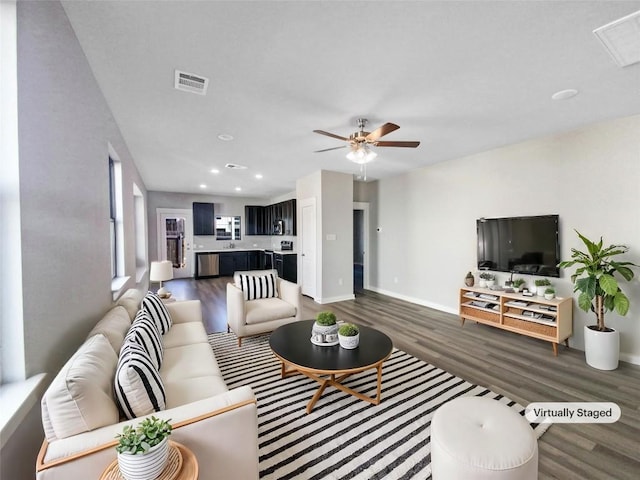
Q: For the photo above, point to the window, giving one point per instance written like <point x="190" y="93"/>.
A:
<point x="116" y="228"/>
<point x="139" y="224"/>
<point x="112" y="218"/>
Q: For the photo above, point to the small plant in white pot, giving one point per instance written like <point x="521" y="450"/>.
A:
<point x="600" y="292"/>
<point x="518" y="284"/>
<point x="349" y="335"/>
<point x="487" y="279"/>
<point x="143" y="450"/>
<point x="541" y="285"/>
<point x="325" y="329"/>
<point x="549" y="293"/>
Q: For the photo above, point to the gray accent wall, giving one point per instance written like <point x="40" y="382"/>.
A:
<point x="426" y="219"/>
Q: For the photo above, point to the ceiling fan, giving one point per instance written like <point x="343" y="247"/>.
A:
<point x="360" y="141"/>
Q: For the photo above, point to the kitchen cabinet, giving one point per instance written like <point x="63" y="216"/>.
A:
<point x="289" y="216"/>
<point x="231" y="262"/>
<point x="260" y="219"/>
<point x="287" y="266"/>
<point x="254" y="220"/>
<point x="204" y="219"/>
<point x="255" y="260"/>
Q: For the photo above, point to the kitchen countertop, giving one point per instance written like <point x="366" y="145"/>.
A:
<point x="231" y="250"/>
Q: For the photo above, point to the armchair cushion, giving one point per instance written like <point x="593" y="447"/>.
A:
<point x="266" y="309"/>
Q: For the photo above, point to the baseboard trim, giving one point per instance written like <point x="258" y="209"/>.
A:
<point x="629" y="358"/>
<point x="418" y="301"/>
<point x="341" y="298"/>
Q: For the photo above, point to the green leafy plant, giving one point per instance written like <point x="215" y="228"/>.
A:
<point x="549" y="291"/>
<point x="595" y="279"/>
<point x="138" y="440"/>
<point x="542" y="282"/>
<point x="518" y="282"/>
<point x="326" y="319"/>
<point x="487" y="276"/>
<point x="348" y="330"/>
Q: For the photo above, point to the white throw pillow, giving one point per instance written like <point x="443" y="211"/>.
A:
<point x="138" y="386"/>
<point x="258" y="286"/>
<point x="145" y="333"/>
<point x="80" y="398"/>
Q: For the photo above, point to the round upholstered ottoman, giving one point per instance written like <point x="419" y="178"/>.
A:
<point x="480" y="438"/>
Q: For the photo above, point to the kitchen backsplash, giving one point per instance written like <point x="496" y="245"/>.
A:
<point x="248" y="241"/>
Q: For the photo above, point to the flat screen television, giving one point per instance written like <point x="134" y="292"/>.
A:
<point x="527" y="245"/>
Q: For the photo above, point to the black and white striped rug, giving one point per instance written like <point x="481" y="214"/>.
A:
<point x="343" y="437"/>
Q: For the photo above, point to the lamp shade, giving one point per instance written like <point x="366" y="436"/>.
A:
<point x="361" y="155"/>
<point x="161" y="271"/>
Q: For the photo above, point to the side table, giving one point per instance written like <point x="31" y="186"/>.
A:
<point x="182" y="465"/>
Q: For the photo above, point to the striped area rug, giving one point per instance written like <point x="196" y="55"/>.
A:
<point x="343" y="437"/>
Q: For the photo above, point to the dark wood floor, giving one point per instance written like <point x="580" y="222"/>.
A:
<point x="521" y="368"/>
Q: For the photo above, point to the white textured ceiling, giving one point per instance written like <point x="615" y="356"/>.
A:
<point x="460" y="76"/>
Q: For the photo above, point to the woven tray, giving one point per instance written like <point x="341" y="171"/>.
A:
<point x="170" y="472"/>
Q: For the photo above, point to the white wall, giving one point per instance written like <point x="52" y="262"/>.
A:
<point x="64" y="127"/>
<point x="590" y="177"/>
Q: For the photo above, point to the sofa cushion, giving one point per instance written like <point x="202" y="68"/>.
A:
<point x="130" y="300"/>
<point x="158" y="312"/>
<point x="258" y="286"/>
<point x="267" y="309"/>
<point x="145" y="333"/>
<point x="188" y="361"/>
<point x="114" y="326"/>
<point x="187" y="390"/>
<point x="138" y="386"/>
<point x="185" y="334"/>
<point x="80" y="398"/>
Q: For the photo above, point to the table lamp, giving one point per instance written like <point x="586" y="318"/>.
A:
<point x="160" y="272"/>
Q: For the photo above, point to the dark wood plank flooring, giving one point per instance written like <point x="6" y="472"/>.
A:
<point x="519" y="367"/>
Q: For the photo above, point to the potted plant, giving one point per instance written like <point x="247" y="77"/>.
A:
<point x="324" y="328"/>
<point x="518" y="284"/>
<point x="541" y="285"/>
<point x="349" y="335"/>
<point x="487" y="279"/>
<point x="549" y="293"/>
<point x="469" y="280"/>
<point x="143" y="450"/>
<point x="600" y="292"/>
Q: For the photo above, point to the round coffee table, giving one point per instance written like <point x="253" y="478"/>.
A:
<point x="291" y="344"/>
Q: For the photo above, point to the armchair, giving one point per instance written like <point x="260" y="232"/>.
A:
<point x="248" y="317"/>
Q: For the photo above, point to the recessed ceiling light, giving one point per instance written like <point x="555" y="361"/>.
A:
<point x="202" y="185"/>
<point x="225" y="137"/>
<point x="215" y="170"/>
<point x="238" y="189"/>
<point x="565" y="94"/>
<point x="258" y="176"/>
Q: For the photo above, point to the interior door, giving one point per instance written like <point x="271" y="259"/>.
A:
<point x="308" y="255"/>
<point x="175" y="240"/>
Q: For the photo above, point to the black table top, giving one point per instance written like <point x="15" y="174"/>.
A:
<point x="292" y="343"/>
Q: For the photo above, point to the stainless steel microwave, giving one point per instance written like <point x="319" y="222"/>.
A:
<point x="278" y="227"/>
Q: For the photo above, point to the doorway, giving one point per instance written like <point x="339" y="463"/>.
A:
<point x="360" y="246"/>
<point x="308" y="257"/>
<point x="175" y="239"/>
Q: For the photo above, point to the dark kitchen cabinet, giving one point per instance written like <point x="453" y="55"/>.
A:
<point x="289" y="216"/>
<point x="254" y="220"/>
<point x="231" y="262"/>
<point x="255" y="260"/>
<point x="261" y="219"/>
<point x="287" y="266"/>
<point x="203" y="219"/>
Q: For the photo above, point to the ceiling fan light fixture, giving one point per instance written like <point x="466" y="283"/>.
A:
<point x="361" y="155"/>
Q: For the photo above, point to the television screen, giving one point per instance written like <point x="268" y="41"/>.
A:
<point x="526" y="245"/>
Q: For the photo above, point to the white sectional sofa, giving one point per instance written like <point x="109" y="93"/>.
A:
<point x="81" y="417"/>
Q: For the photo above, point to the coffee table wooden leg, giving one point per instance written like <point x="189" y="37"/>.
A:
<point x="318" y="394"/>
<point x="379" y="392"/>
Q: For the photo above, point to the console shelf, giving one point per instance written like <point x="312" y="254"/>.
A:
<point x="550" y="320"/>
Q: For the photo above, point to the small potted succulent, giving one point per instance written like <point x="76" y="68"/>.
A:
<point x="143" y="450"/>
<point x="541" y="285"/>
<point x="487" y="279"/>
<point x="349" y="335"/>
<point x="325" y="329"/>
<point x="518" y="284"/>
<point x="549" y="293"/>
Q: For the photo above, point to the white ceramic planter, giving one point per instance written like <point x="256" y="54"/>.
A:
<point x="601" y="349"/>
<point x="482" y="283"/>
<point x="490" y="283"/>
<point x="549" y="296"/>
<point x="349" y="342"/>
<point x="146" y="466"/>
<point x="540" y="290"/>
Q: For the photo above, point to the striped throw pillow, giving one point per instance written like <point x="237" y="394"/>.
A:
<point x="158" y="312"/>
<point x="144" y="332"/>
<point x="138" y="386"/>
<point x="258" y="286"/>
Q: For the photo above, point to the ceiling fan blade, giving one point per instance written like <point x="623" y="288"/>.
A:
<point x="333" y="135"/>
<point x="382" y="131"/>
<point x="327" y="149"/>
<point x="397" y="144"/>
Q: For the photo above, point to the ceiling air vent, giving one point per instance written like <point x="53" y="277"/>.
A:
<point x="189" y="82"/>
<point x="235" y="166"/>
<point x="621" y="39"/>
